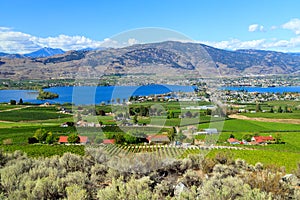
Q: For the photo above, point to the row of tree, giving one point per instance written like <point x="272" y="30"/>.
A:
<point x="44" y="137"/>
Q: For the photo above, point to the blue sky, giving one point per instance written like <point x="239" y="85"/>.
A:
<point x="228" y="24"/>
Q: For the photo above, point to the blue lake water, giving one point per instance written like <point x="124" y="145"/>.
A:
<point x="265" y="89"/>
<point x="95" y="95"/>
<point x="91" y="95"/>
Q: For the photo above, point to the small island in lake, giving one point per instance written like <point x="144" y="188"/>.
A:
<point x="46" y="95"/>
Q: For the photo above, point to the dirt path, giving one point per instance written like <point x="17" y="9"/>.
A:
<point x="15" y="109"/>
<point x="261" y="119"/>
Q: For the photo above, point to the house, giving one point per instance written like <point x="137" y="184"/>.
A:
<point x="64" y="125"/>
<point x="158" y="139"/>
<point x="87" y="124"/>
<point x="207" y="131"/>
<point x="200" y="133"/>
<point x="262" y="139"/>
<point x="233" y="141"/>
<point x="109" y="141"/>
<point x="82" y="139"/>
<point x="210" y="131"/>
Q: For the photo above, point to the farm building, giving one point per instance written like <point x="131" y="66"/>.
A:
<point x="207" y="131"/>
<point x="233" y="141"/>
<point x="158" y="139"/>
<point x="262" y="139"/>
<point x="109" y="141"/>
<point x="82" y="139"/>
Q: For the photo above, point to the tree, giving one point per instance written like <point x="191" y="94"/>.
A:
<point x="101" y="112"/>
<point x="20" y="101"/>
<point x="208" y="112"/>
<point x="188" y="114"/>
<point x="258" y="108"/>
<point x="172" y="133"/>
<point x="135" y="119"/>
<point x="32" y="140"/>
<point x="286" y="109"/>
<point x="13" y="102"/>
<point x="79" y="118"/>
<point x="40" y="135"/>
<point x="50" y="139"/>
<point x="144" y="111"/>
<point x="171" y="114"/>
<point x="73" y="138"/>
<point x="278" y="138"/>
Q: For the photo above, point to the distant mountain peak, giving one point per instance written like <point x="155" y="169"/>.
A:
<point x="44" y="52"/>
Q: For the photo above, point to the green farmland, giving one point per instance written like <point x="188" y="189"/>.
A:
<point x="18" y="123"/>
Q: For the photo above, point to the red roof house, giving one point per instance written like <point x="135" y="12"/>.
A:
<point x="262" y="139"/>
<point x="82" y="139"/>
<point x="63" y="139"/>
<point x="109" y="141"/>
<point x="233" y="141"/>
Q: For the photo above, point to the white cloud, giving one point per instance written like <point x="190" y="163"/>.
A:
<point x="293" y="25"/>
<point x="4" y="28"/>
<point x="290" y="45"/>
<point x="256" y="27"/>
<point x="132" y="41"/>
<point x="18" y="42"/>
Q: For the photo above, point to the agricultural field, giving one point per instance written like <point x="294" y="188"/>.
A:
<point x="18" y="123"/>
<point x="238" y="125"/>
<point x="39" y="150"/>
<point x="33" y="113"/>
<point x="288" y="160"/>
<point x="294" y="115"/>
<point x="8" y="107"/>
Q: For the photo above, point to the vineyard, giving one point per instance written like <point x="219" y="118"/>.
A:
<point x="41" y="150"/>
<point x="160" y="151"/>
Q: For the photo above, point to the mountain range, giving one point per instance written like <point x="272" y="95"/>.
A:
<point x="154" y="57"/>
<point x="43" y="52"/>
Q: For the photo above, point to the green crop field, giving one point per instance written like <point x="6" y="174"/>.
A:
<point x="19" y="135"/>
<point x="8" y="107"/>
<point x="291" y="139"/>
<point x="17" y="125"/>
<point x="32" y="114"/>
<point x="237" y="125"/>
<point x="38" y="150"/>
<point x="293" y="115"/>
<point x="279" y="159"/>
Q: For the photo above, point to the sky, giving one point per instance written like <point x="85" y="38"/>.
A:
<point x="28" y="25"/>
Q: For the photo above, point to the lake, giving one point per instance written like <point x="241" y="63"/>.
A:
<point x="85" y="95"/>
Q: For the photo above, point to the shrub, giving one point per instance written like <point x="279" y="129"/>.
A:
<point x="32" y="140"/>
<point x="7" y="141"/>
<point x="73" y="138"/>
